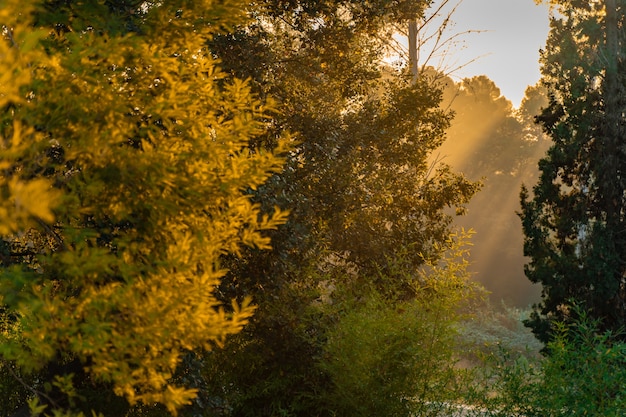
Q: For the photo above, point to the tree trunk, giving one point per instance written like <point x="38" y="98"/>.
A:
<point x="612" y="183"/>
<point x="613" y="116"/>
<point x="413" y="48"/>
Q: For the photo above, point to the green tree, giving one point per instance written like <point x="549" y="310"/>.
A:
<point x="360" y="188"/>
<point x="574" y="224"/>
<point x="125" y="170"/>
<point x="365" y="132"/>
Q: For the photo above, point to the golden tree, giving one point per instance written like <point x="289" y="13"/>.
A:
<point x="125" y="172"/>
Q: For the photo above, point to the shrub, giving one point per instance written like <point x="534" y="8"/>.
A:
<point x="389" y="356"/>
<point x="583" y="374"/>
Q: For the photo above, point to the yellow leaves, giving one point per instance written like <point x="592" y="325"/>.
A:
<point x="155" y="179"/>
<point x="35" y="408"/>
<point x="166" y="315"/>
<point x="245" y="216"/>
<point x="16" y="140"/>
<point x="181" y="248"/>
<point x="241" y="313"/>
<point x="136" y="333"/>
<point x="16" y="143"/>
<point x="29" y="203"/>
<point x="36" y="197"/>
<point x="176" y="397"/>
<point x="32" y="199"/>
<point x="18" y="43"/>
<point x="272" y="222"/>
<point x="12" y="77"/>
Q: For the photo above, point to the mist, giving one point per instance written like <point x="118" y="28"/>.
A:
<point x="492" y="142"/>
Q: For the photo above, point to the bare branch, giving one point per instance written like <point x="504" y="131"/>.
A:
<point x="29" y="387"/>
<point x="52" y="233"/>
<point x="437" y="44"/>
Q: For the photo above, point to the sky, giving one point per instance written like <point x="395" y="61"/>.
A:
<point x="504" y="43"/>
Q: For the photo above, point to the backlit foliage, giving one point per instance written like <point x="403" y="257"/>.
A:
<point x="363" y="196"/>
<point x="573" y="218"/>
<point x="124" y="175"/>
<point x="395" y="356"/>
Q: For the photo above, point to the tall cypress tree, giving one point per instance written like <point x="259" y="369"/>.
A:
<point x="574" y="221"/>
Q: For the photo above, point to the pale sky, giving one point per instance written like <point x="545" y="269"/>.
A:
<point x="506" y="49"/>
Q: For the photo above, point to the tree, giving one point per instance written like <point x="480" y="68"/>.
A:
<point x="359" y="126"/>
<point x="125" y="175"/>
<point x="486" y="129"/>
<point x="360" y="188"/>
<point x="574" y="223"/>
<point x="490" y="140"/>
<point x="534" y="101"/>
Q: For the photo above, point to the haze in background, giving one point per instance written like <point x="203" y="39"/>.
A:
<point x="491" y="57"/>
<point x="504" y="44"/>
<point x="491" y="142"/>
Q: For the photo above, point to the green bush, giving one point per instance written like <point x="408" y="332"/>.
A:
<point x="583" y="374"/>
<point x="390" y="360"/>
<point x="391" y="355"/>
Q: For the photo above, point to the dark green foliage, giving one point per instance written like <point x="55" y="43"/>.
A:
<point x="360" y="189"/>
<point x="573" y="221"/>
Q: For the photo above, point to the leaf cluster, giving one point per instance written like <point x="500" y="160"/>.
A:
<point x="125" y="167"/>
